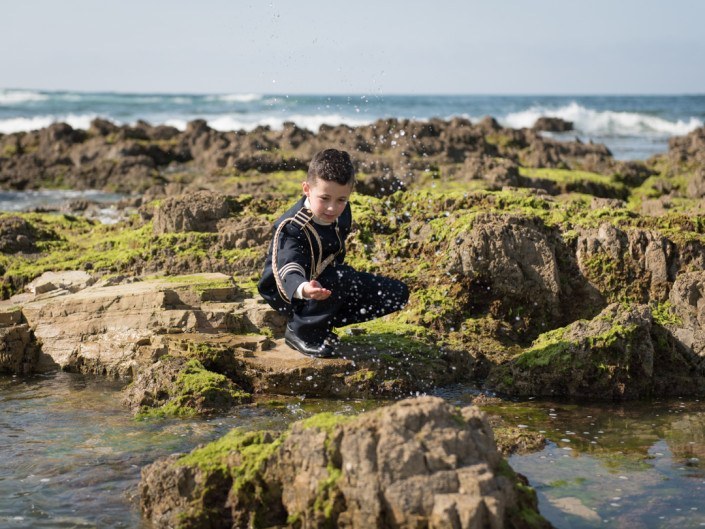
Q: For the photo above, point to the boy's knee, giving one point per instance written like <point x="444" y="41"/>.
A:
<point x="403" y="294"/>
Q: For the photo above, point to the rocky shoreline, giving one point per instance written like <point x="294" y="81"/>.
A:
<point x="537" y="267"/>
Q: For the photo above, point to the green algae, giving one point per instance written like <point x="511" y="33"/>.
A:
<point x="254" y="448"/>
<point x="525" y="512"/>
<point x="552" y="348"/>
<point x="547" y="349"/>
<point x="234" y="462"/>
<point x="326" y="421"/>
<point x="74" y="243"/>
<point x="389" y="335"/>
<point x="198" y="282"/>
<point x="196" y="389"/>
<point x="664" y="314"/>
<point x="570" y="180"/>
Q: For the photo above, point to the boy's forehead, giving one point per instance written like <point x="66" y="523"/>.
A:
<point x="331" y="188"/>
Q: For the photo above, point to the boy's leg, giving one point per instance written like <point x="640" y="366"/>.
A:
<point x="369" y="296"/>
<point x="312" y="320"/>
<point x="356" y="297"/>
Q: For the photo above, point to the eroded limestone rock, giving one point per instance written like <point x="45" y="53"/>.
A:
<point x="417" y="463"/>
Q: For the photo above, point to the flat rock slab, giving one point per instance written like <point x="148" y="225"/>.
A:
<point x="266" y="366"/>
<point x="114" y="329"/>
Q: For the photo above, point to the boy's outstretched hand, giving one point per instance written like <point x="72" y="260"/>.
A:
<point x="314" y="290"/>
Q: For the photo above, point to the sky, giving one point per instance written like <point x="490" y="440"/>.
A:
<point x="350" y="47"/>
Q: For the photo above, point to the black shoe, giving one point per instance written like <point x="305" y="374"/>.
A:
<point x="324" y="350"/>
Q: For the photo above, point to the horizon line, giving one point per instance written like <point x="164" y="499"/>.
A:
<point x="364" y="94"/>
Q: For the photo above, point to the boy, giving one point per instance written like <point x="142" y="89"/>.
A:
<point x="304" y="276"/>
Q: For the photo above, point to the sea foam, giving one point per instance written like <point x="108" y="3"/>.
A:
<point x="236" y="98"/>
<point x="10" y="125"/>
<point x="605" y="123"/>
<point x="310" y="122"/>
<point x="14" y="97"/>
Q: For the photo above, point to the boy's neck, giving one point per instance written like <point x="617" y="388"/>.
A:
<point x="307" y="204"/>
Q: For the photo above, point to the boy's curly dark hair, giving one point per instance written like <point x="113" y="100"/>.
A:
<point x="332" y="165"/>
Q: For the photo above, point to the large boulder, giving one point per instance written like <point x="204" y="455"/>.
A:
<point x="620" y="354"/>
<point x="114" y="329"/>
<point x="417" y="463"/>
<point x="521" y="271"/>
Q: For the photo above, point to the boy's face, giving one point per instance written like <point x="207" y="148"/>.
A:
<point x="328" y="199"/>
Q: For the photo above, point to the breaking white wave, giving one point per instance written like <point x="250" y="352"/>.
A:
<point x="312" y="122"/>
<point x="77" y="121"/>
<point x="236" y="98"/>
<point x="14" y="97"/>
<point x="605" y="123"/>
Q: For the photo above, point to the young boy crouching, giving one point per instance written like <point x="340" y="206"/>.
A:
<point x="305" y="276"/>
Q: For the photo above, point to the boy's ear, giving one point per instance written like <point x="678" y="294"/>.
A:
<point x="306" y="188"/>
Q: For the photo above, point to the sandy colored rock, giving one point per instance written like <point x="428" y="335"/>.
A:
<point x="114" y="329"/>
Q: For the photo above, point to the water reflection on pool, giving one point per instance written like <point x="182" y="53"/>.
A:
<point x="70" y="453"/>
<point x="629" y="465"/>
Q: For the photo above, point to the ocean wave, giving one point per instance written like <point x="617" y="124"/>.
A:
<point x="310" y="122"/>
<point x="14" y="97"/>
<point x="236" y="98"/>
<point x="605" y="122"/>
<point x="10" y="125"/>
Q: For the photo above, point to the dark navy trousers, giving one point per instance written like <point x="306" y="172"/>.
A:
<point x="356" y="297"/>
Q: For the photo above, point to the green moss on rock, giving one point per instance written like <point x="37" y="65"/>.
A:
<point x="195" y="391"/>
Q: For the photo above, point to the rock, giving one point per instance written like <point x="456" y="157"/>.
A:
<point x="199" y="211"/>
<point x="519" y="270"/>
<point x="121" y="328"/>
<point x="111" y="329"/>
<point x="631" y="263"/>
<point x="16" y="235"/>
<point x="687" y="299"/>
<point x="417" y="463"/>
<point x="620" y="354"/>
<point x="696" y="184"/>
<point x="72" y="281"/>
<point x="378" y="186"/>
<point x="177" y="386"/>
<point x="498" y="172"/>
<point x="552" y="124"/>
<point x="19" y="350"/>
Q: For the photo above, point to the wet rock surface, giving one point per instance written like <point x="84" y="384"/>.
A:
<point x="419" y="462"/>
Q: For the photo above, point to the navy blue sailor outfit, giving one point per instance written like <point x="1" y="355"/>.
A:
<point x="303" y="250"/>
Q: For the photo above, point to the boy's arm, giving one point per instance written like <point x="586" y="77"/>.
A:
<point x="293" y="260"/>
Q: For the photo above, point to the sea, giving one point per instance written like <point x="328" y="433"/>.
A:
<point x="634" y="127"/>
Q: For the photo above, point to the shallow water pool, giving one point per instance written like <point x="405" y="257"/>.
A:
<point x="70" y="454"/>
